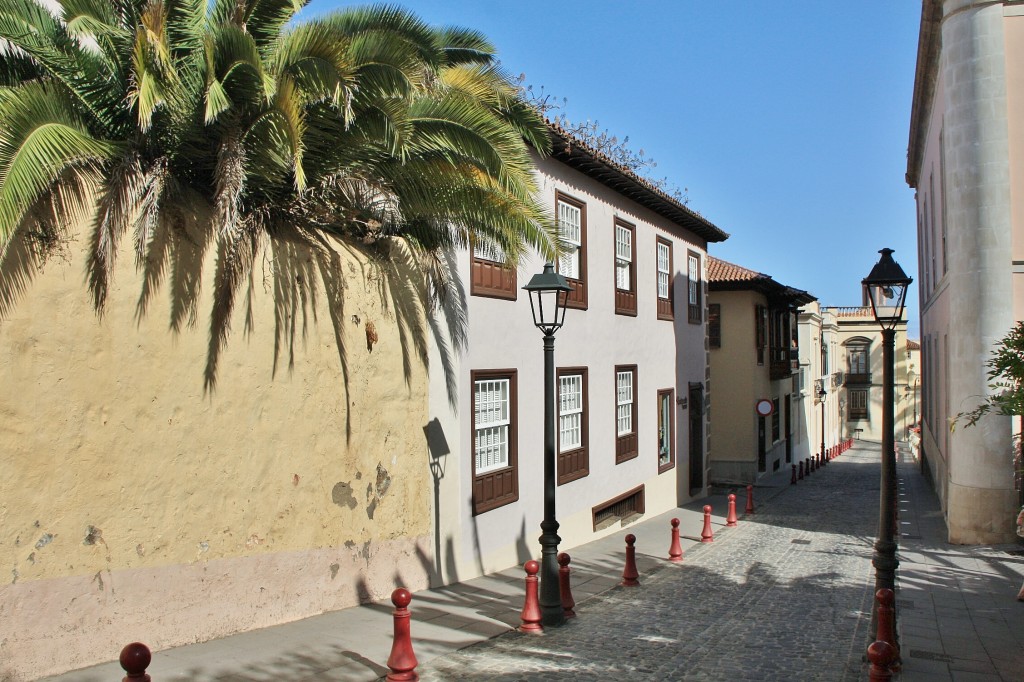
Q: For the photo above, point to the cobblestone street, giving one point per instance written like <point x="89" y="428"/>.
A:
<point x="785" y="595"/>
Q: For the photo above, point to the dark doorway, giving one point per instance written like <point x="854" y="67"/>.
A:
<point x="786" y="426"/>
<point x="696" y="437"/>
<point x="762" y="463"/>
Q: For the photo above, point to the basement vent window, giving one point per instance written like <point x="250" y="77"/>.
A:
<point x="624" y="509"/>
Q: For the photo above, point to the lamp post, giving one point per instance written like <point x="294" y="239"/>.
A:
<point x="549" y="292"/>
<point x="821" y="399"/>
<point x="839" y="418"/>
<point x="917" y="381"/>
<point x="886" y="287"/>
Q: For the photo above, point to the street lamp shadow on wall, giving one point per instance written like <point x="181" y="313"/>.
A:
<point x="549" y="293"/>
<point x="886" y="288"/>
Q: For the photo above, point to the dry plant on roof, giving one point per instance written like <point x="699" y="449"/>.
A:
<point x="186" y="125"/>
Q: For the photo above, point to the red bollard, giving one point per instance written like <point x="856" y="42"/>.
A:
<point x="629" y="573"/>
<point x="730" y="520"/>
<point x="707" y="535"/>
<point x="134" y="660"/>
<point x="807" y="468"/>
<point x="675" y="550"/>
<point x="793" y="479"/>
<point x="816" y="461"/>
<point x="402" y="660"/>
<point x="750" y="500"/>
<point x="886" y="599"/>
<point x="530" y="614"/>
<point x="568" y="603"/>
<point x="801" y="475"/>
<point x="881" y="655"/>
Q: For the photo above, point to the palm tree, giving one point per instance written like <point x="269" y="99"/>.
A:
<point x="224" y="123"/>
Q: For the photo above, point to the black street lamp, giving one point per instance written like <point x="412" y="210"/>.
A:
<point x="886" y="287"/>
<point x="821" y="399"/>
<point x="549" y="292"/>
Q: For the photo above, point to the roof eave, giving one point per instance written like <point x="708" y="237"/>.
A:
<point x="576" y="155"/>
<point x="929" y="43"/>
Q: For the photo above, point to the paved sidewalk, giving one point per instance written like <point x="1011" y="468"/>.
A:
<point x="959" y="618"/>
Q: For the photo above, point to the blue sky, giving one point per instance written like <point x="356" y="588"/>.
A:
<point x="786" y="122"/>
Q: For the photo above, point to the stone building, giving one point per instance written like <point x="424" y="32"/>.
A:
<point x="965" y="157"/>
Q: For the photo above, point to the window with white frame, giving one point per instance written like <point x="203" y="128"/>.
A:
<point x="490" y="274"/>
<point x="495" y="471"/>
<point x="570" y="229"/>
<point x="624" y="402"/>
<point x="623" y="258"/>
<point x="664" y="265"/>
<point x="573" y="459"/>
<point x="625" y="268"/>
<point x="491" y="420"/>
<point x="489" y="251"/>
<point x="626" y="441"/>
<point x="695" y="312"/>
<point x="666" y="430"/>
<point x="570" y="412"/>
<point x="664" y="258"/>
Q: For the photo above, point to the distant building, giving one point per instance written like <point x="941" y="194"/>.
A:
<point x="912" y="391"/>
<point x="858" y="345"/>
<point x="966" y="162"/>
<point x="755" y="363"/>
<point x="820" y="372"/>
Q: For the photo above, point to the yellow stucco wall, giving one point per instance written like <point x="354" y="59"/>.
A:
<point x="135" y="505"/>
<point x="738" y="380"/>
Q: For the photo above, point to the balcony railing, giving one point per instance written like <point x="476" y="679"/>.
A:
<point x="858" y="378"/>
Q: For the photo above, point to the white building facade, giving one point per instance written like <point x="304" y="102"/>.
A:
<point x="632" y="370"/>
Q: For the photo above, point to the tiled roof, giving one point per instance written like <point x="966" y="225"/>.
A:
<point x="577" y="154"/>
<point x="724" y="271"/>
<point x="726" y="276"/>
<point x="913" y="345"/>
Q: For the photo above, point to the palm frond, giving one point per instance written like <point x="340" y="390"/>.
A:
<point x="117" y="208"/>
<point x="41" y="137"/>
<point x="465" y="46"/>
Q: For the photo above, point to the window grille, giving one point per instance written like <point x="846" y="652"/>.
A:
<point x="491" y="407"/>
<point x="570" y="412"/>
<point x="624" y="402"/>
<point x="569" y="220"/>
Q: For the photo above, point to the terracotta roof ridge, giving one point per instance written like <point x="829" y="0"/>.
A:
<point x="646" y="184"/>
<point x="751" y="274"/>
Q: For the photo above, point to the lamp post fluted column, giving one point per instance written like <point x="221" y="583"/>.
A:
<point x="550" y="595"/>
<point x="884" y="559"/>
<point x="824" y="459"/>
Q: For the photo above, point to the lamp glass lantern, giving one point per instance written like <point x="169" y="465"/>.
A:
<point x="549" y="294"/>
<point x="886" y="286"/>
